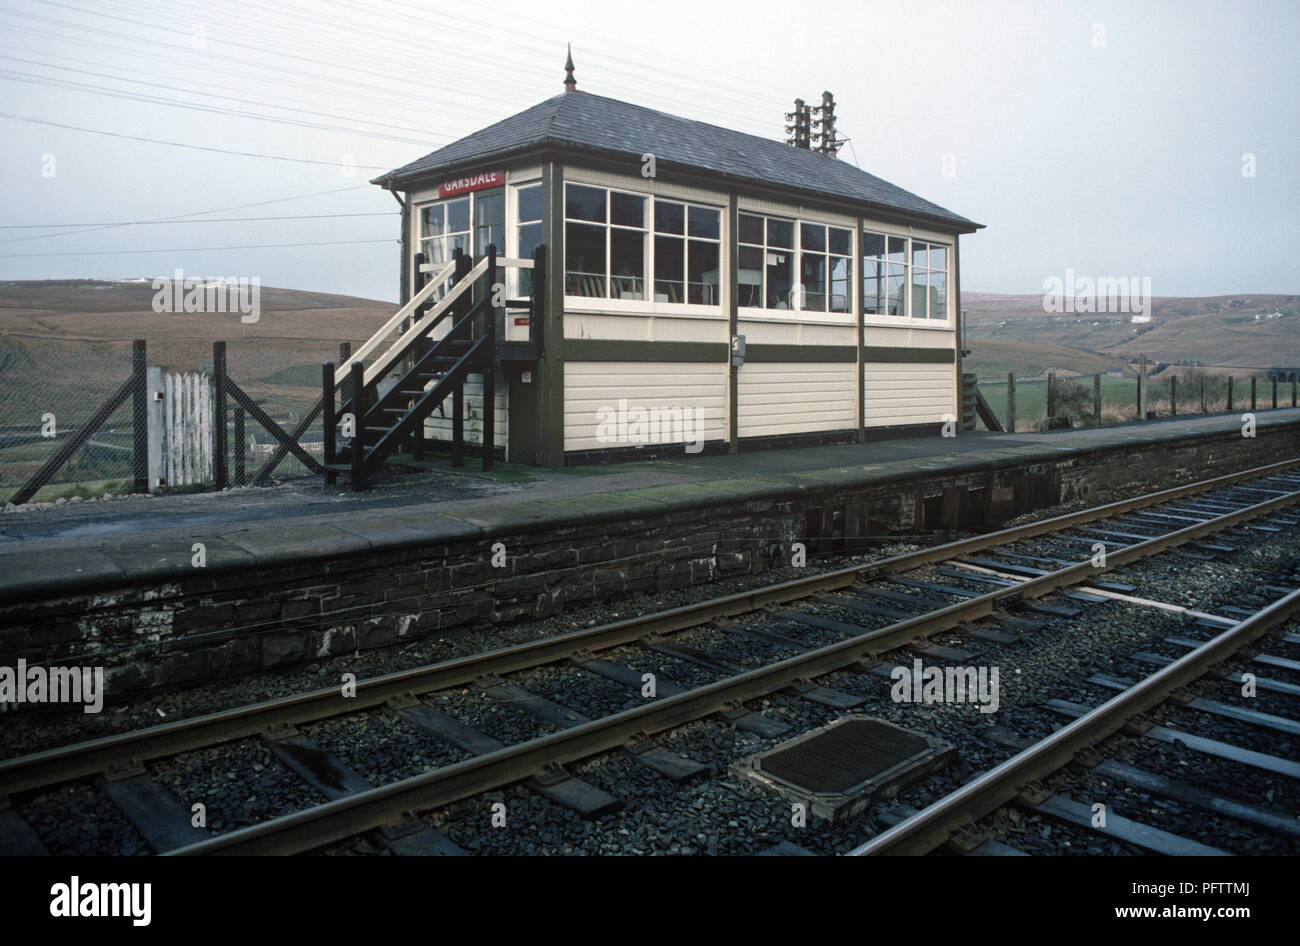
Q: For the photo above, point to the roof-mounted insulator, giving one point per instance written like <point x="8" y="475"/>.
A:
<point x="570" y="83"/>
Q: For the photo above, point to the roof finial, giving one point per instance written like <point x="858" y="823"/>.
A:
<point x="570" y="83"/>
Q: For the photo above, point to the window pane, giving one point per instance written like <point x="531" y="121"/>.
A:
<point x="584" y="260"/>
<point x="751" y="229"/>
<point x="530" y="203"/>
<point x="813" y="237"/>
<point x="840" y="297"/>
<point x="457" y="216"/>
<point x="938" y="292"/>
<point x="434" y="220"/>
<point x="779" y="274"/>
<point x="894" y="302"/>
<point x="780" y="233"/>
<point x="751" y="277"/>
<point x="704" y="222"/>
<point x="812" y="274"/>
<point x="627" y="210"/>
<point x="435" y="249"/>
<point x="873" y="287"/>
<point x="627" y="279"/>
<point x="494" y="234"/>
<point x="938" y="256"/>
<point x="530" y="237"/>
<point x="919" y="294"/>
<point x="703" y="287"/>
<point x="670" y="275"/>
<point x="669" y="217"/>
<point x="584" y="203"/>
<point x="489" y="209"/>
<point x="841" y="241"/>
<point x="918" y="253"/>
<point x="873" y="244"/>
<point x="897" y="250"/>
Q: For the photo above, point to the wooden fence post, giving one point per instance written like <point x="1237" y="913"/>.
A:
<point x="1173" y="395"/>
<point x="1253" y="400"/>
<point x="358" y="430"/>
<point x="1274" y="392"/>
<point x="1051" y="397"/>
<point x="1011" y="402"/>
<point x="328" y="421"/>
<point x="1229" y="394"/>
<point x="157" y="471"/>
<point x="219" y="439"/>
<point x="1096" y="396"/>
<point x="1142" y="389"/>
<point x="140" y="415"/>
<point x="1205" y="404"/>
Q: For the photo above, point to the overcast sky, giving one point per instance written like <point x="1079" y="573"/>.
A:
<point x="1108" y="138"/>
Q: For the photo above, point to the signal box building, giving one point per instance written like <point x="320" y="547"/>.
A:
<point x="704" y="289"/>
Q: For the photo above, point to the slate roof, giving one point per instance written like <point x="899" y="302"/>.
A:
<point x="586" y="123"/>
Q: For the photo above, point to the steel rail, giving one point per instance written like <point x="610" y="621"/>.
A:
<point x="80" y="760"/>
<point x="932" y="826"/>
<point x="346" y="817"/>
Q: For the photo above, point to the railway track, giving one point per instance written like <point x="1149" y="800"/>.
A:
<point x="926" y="830"/>
<point x="875" y="608"/>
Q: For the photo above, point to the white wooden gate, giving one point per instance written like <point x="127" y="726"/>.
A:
<point x="181" y="406"/>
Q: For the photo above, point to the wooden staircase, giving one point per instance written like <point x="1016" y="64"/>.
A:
<point x="385" y="404"/>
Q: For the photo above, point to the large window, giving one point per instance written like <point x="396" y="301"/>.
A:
<point x="929" y="280"/>
<point x="898" y="280"/>
<point x="612" y="239"/>
<point x="490" y="222"/>
<point x="605" y="243"/>
<point x="446" y="229"/>
<point x="528" y="230"/>
<point x="686" y="251"/>
<point x="769" y="247"/>
<point x="824" y="268"/>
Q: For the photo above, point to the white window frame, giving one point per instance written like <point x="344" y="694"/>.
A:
<point x="801" y="315"/>
<point x="909" y="320"/>
<point x="605" y="304"/>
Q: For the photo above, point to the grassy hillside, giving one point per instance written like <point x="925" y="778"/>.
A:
<point x="996" y="357"/>
<point x="65" y="346"/>
<point x="1242" y="331"/>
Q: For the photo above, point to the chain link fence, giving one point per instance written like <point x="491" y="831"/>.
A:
<point x="50" y="390"/>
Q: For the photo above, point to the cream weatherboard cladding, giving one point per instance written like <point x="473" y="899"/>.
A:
<point x="781" y="399"/>
<point x="908" y="393"/>
<point x="591" y="386"/>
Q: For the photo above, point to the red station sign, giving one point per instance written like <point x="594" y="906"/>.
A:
<point x="479" y="180"/>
